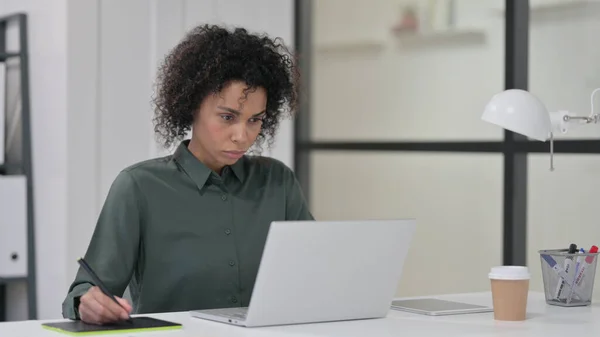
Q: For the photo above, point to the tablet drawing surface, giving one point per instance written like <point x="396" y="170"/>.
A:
<point x="437" y="307"/>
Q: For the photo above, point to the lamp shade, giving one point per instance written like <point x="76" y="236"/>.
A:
<point x="521" y="112"/>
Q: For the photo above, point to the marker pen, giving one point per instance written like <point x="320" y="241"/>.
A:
<point x="577" y="267"/>
<point x="581" y="272"/>
<point x="559" y="292"/>
<point x="579" y="261"/>
<point x="560" y="272"/>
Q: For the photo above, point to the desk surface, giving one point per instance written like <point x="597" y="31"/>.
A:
<point x="543" y="320"/>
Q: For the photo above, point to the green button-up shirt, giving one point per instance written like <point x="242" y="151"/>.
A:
<point x="184" y="238"/>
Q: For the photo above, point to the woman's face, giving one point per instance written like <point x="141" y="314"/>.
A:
<point x="228" y="123"/>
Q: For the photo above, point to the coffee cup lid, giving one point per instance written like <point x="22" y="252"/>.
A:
<point x="509" y="273"/>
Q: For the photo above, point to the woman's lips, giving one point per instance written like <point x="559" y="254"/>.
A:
<point x="235" y="154"/>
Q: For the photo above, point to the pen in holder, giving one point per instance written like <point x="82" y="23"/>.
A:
<point x="568" y="278"/>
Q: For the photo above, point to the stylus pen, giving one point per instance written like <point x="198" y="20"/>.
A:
<point x="99" y="282"/>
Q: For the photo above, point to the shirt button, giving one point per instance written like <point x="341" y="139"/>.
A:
<point x="224" y="197"/>
<point x="233" y="299"/>
<point x="228" y="231"/>
<point x="232" y="263"/>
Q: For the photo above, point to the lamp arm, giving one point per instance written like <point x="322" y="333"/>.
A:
<point x="567" y="117"/>
<point x="586" y="120"/>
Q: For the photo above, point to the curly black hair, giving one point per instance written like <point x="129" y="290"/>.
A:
<point x="208" y="58"/>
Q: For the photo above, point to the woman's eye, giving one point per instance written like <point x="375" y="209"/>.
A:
<point x="256" y="120"/>
<point x="227" y="117"/>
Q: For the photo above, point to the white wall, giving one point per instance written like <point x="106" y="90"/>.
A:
<point x="92" y="68"/>
<point x="459" y="227"/>
<point x="564" y="70"/>
<point x="376" y="86"/>
<point x="372" y="86"/>
<point x="368" y="85"/>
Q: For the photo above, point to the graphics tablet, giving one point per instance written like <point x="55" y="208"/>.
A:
<point x="436" y="307"/>
<point x="138" y="324"/>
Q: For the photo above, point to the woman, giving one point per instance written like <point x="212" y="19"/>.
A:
<point x="187" y="231"/>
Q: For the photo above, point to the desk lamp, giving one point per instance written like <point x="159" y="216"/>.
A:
<point x="521" y="112"/>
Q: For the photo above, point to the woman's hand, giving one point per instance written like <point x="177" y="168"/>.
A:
<point x="97" y="308"/>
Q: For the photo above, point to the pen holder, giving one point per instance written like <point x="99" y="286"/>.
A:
<point x="568" y="278"/>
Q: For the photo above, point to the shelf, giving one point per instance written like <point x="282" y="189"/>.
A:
<point x="446" y="37"/>
<point x="24" y="166"/>
<point x="6" y="280"/>
<point x="6" y="56"/>
<point x="10" y="169"/>
<point x="350" y="46"/>
<point x="561" y="8"/>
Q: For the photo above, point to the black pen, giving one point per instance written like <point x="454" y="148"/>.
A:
<point x="99" y="283"/>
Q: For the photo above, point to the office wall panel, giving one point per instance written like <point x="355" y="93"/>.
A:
<point x="430" y="85"/>
<point x="564" y="53"/>
<point x="456" y="199"/>
<point x="562" y="206"/>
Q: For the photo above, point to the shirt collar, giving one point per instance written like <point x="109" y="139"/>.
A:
<point x="199" y="172"/>
<point x="238" y="169"/>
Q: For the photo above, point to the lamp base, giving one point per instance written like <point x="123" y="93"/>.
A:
<point x="560" y="121"/>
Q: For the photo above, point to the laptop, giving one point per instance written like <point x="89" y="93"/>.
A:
<point x="324" y="271"/>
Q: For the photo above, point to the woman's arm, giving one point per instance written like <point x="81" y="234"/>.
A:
<point x="296" y="205"/>
<point x="113" y="249"/>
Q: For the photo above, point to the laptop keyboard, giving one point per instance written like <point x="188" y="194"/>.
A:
<point x="235" y="313"/>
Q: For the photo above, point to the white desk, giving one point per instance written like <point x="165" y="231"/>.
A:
<point x="543" y="320"/>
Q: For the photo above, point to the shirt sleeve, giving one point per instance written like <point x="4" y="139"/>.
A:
<point x="296" y="205"/>
<point x="113" y="250"/>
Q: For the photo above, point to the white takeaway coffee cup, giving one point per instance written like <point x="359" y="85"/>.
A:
<point x="510" y="288"/>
